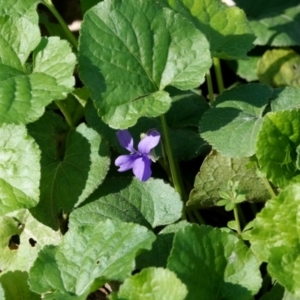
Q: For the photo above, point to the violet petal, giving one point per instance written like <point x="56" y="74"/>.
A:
<point x="126" y="162"/>
<point x="142" y="168"/>
<point x="150" y="141"/>
<point x="125" y="140"/>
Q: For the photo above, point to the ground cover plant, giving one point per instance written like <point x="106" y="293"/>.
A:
<point x="153" y="155"/>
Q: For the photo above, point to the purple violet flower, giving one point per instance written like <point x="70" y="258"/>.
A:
<point x="139" y="161"/>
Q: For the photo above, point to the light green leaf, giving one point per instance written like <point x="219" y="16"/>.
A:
<point x="214" y="174"/>
<point x="279" y="67"/>
<point x="88" y="257"/>
<point x="15" y="287"/>
<point x="285" y="99"/>
<point x="153" y="203"/>
<point x="21" y="238"/>
<point x="19" y="169"/>
<point x="275" y="238"/>
<point x="73" y="164"/>
<point x="182" y="118"/>
<point x="19" y="32"/>
<point x="274" y="22"/>
<point x="226" y="28"/>
<point x="276" y="146"/>
<point x="231" y="126"/>
<point x="161" y="248"/>
<point x="214" y="264"/>
<point x="51" y="79"/>
<point x="246" y="69"/>
<point x="146" y="48"/>
<point x="153" y="284"/>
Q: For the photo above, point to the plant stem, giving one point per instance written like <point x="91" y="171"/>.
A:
<point x="236" y="217"/>
<point x="176" y="177"/>
<point x="268" y="187"/>
<point x="210" y="87"/>
<point x="71" y="37"/>
<point x="66" y="114"/>
<point x="198" y="216"/>
<point x="219" y="76"/>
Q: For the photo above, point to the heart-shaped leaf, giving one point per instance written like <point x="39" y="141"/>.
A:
<point x="214" y="264"/>
<point x="231" y="126"/>
<point x="88" y="257"/>
<point x="146" y="48"/>
<point x="152" y="203"/>
<point x="74" y="162"/>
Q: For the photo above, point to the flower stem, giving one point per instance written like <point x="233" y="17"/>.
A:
<point x="219" y="76"/>
<point x="198" y="216"/>
<point x="71" y="37"/>
<point x="210" y="87"/>
<point x="268" y="186"/>
<point x="176" y="177"/>
<point x="236" y="217"/>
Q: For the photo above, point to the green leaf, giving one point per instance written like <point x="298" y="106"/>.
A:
<point x="2" y="297"/>
<point x="276" y="146"/>
<point x="152" y="203"/>
<point x="214" y="264"/>
<point x="146" y="48"/>
<point x="285" y="99"/>
<point x="88" y="257"/>
<point x="19" y="32"/>
<point x="232" y="225"/>
<point x="15" y="286"/>
<point x="214" y="174"/>
<point x="153" y="284"/>
<point x="183" y="118"/>
<point x="246" y="69"/>
<point x="279" y="67"/>
<point x="275" y="238"/>
<point x="161" y="248"/>
<point x="274" y="22"/>
<point x="231" y="126"/>
<point x="87" y="4"/>
<point x="19" y="169"/>
<point x="51" y="79"/>
<point x="21" y="238"/>
<point x="226" y="28"/>
<point x="73" y="164"/>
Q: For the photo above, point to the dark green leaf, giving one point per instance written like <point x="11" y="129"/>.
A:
<point x="231" y="126"/>
<point x="73" y="164"/>
<point x="214" y="264"/>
